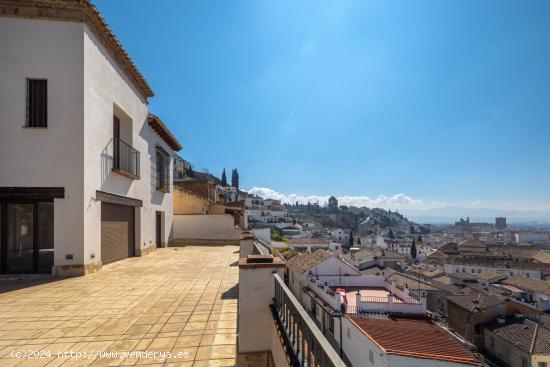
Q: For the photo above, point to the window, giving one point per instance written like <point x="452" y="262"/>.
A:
<point x="543" y="364"/>
<point x="491" y="342"/>
<point x="523" y="362"/>
<point x="348" y="333"/>
<point x="527" y="275"/>
<point x="163" y="170"/>
<point x="37" y="103"/>
<point x="371" y="357"/>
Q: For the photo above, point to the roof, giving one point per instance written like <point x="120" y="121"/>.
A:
<point x="80" y="11"/>
<point x="417" y="338"/>
<point x="489" y="275"/>
<point x="529" y="284"/>
<point x="449" y="248"/>
<point x="542" y="257"/>
<point x="162" y="130"/>
<point x="305" y="262"/>
<point x="305" y="241"/>
<point x="375" y="270"/>
<point x="426" y="273"/>
<point x="476" y="300"/>
<point x="410" y="282"/>
<point x="525" y="334"/>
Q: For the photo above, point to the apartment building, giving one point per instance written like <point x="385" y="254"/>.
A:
<point x="85" y="166"/>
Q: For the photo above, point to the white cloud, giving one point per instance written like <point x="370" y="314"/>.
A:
<point x="381" y="201"/>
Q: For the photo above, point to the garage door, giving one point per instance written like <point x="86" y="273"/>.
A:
<point x="117" y="232"/>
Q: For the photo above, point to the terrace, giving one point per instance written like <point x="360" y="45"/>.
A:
<point x="177" y="300"/>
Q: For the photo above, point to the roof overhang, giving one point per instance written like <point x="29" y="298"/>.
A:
<point x="162" y="130"/>
<point x="85" y="12"/>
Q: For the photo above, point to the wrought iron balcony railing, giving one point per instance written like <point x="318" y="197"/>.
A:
<point x="304" y="343"/>
<point x="125" y="159"/>
<point x="163" y="171"/>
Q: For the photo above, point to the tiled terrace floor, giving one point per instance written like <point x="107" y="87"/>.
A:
<point x="173" y="300"/>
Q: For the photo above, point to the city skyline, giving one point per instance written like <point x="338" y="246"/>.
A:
<point x="444" y="105"/>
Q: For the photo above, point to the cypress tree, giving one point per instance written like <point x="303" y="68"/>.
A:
<point x="413" y="250"/>
<point x="224" y="178"/>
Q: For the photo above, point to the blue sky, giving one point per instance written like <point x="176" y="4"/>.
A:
<point x="444" y="102"/>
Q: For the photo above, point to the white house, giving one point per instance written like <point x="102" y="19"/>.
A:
<point x="85" y="167"/>
<point x="340" y="235"/>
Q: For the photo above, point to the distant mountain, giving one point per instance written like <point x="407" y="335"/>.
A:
<point x="453" y="213"/>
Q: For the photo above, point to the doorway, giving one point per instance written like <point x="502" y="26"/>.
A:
<point x="26" y="236"/>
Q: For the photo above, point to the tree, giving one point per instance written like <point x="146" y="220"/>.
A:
<point x="390" y="234"/>
<point x="332" y="203"/>
<point x="413" y="250"/>
<point x="419" y="238"/>
<point x="358" y="240"/>
<point x="351" y="239"/>
<point x="224" y="178"/>
<point x="235" y="178"/>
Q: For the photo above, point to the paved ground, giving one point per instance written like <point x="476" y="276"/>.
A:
<point x="178" y="300"/>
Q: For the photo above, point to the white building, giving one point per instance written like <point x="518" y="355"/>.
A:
<point x="254" y="202"/>
<point x="85" y="168"/>
<point x="528" y="238"/>
<point x="266" y="216"/>
<point x="340" y="235"/>
<point x="375" y="323"/>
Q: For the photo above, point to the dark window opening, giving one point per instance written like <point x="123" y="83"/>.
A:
<point x="37" y="103"/>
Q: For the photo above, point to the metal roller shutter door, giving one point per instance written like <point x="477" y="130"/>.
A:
<point x="117" y="232"/>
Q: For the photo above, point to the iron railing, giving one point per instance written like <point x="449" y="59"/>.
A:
<point x="304" y="343"/>
<point x="125" y="158"/>
<point x="163" y="170"/>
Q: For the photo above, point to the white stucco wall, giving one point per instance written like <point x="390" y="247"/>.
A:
<point x="255" y="322"/>
<point x="108" y="92"/>
<point x="474" y="269"/>
<point x="52" y="156"/>
<point x="205" y="227"/>
<point x="75" y="151"/>
<point x="263" y="234"/>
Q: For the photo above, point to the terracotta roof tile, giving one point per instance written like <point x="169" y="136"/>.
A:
<point x="529" y="284"/>
<point x="411" y="282"/>
<point x="526" y="334"/>
<point x="418" y="338"/>
<point x="305" y="262"/>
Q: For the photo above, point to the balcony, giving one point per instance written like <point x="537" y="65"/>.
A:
<point x="162" y="171"/>
<point x="125" y="159"/>
<point x="303" y="342"/>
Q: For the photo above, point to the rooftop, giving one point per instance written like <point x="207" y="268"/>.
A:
<point x="304" y="262"/>
<point x="410" y="282"/>
<point x="418" y="338"/>
<point x="525" y="334"/>
<point x="529" y="284"/>
<point x="307" y="241"/>
<point x="475" y="300"/>
<point x="162" y="130"/>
